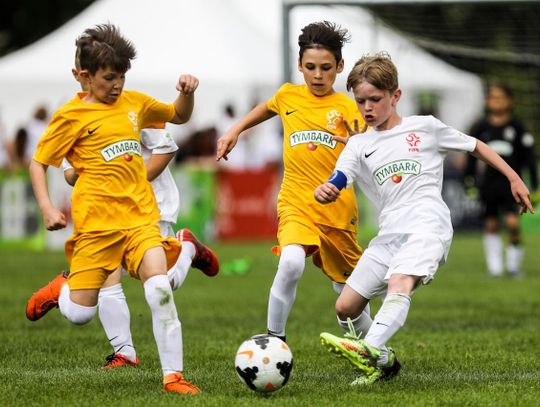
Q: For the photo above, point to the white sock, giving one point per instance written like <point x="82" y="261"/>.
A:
<point x="165" y="323"/>
<point x="493" y="248"/>
<point x="178" y="273"/>
<point x="514" y="258"/>
<point x="283" y="292"/>
<point x="389" y="319"/>
<point x="74" y="313"/>
<point x="115" y="318"/>
<point x="361" y="323"/>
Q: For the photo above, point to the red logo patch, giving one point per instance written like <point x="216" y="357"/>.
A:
<point x="413" y="141"/>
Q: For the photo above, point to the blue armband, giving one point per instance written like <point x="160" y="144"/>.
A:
<point x="338" y="179"/>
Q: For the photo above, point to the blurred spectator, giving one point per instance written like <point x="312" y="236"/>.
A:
<point x="35" y="128"/>
<point x="200" y="145"/>
<point x="508" y="137"/>
<point x="18" y="150"/>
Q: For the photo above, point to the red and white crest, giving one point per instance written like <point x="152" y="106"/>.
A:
<point x="413" y="141"/>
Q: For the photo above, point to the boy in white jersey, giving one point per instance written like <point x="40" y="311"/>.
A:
<point x="398" y="164"/>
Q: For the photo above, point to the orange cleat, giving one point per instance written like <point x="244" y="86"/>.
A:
<point x="118" y="360"/>
<point x="46" y="298"/>
<point x="175" y="383"/>
<point x="205" y="259"/>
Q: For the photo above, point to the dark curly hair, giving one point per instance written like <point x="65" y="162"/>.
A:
<point x="324" y="34"/>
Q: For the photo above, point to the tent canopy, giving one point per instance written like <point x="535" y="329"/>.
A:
<point x="233" y="47"/>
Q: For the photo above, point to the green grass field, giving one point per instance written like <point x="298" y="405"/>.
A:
<point x="469" y="340"/>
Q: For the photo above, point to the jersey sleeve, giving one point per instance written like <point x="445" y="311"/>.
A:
<point x="56" y="142"/>
<point x="349" y="163"/>
<point x="273" y="104"/>
<point x="159" y="141"/>
<point x="155" y="111"/>
<point x="450" y="139"/>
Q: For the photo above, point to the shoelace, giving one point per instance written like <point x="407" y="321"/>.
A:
<point x="352" y="332"/>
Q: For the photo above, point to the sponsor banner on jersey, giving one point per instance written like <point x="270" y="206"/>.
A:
<point x="400" y="167"/>
<point x="314" y="136"/>
<point x="120" y="148"/>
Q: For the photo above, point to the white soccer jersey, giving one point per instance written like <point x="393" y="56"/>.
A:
<point x="401" y="171"/>
<point x="158" y="141"/>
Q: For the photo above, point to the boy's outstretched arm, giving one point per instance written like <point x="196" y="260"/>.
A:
<point x="183" y="105"/>
<point x="226" y="143"/>
<point x="519" y="190"/>
<point x="52" y="217"/>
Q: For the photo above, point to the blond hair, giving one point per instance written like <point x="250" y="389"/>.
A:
<point x="377" y="70"/>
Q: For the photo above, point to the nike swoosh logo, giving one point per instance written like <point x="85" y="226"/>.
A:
<point x="368" y="155"/>
<point x="90" y="132"/>
<point x="248" y="353"/>
<point x="380" y="323"/>
<point x="290" y="112"/>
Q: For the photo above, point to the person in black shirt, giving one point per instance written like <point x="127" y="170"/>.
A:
<point x="508" y="137"/>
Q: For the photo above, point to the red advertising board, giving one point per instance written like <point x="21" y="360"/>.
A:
<point x="246" y="203"/>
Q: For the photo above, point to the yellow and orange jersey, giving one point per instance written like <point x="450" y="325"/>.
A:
<point x="102" y="143"/>
<point x="310" y="154"/>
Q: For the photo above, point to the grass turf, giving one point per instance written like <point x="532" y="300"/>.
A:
<point x="469" y="340"/>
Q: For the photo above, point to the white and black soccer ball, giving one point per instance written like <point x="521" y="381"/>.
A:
<point x="264" y="363"/>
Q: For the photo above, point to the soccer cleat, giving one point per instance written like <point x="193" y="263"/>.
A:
<point x="368" y="379"/>
<point x="384" y="372"/>
<point x="283" y="338"/>
<point x="46" y="298"/>
<point x="175" y="383"/>
<point x="362" y="356"/>
<point x="393" y="366"/>
<point x="118" y="360"/>
<point x="205" y="259"/>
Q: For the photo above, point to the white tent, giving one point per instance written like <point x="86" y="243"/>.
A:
<point x="233" y="47"/>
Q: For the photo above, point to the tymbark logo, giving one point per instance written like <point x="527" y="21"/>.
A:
<point x="312" y="136"/>
<point x="396" y="168"/>
<point x="120" y="148"/>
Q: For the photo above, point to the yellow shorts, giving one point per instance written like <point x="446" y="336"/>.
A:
<point x="92" y="256"/>
<point x="334" y="251"/>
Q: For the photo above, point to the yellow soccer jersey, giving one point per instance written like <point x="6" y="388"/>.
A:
<point x="310" y="154"/>
<point x="101" y="141"/>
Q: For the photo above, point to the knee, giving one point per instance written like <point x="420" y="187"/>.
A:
<point x="80" y="315"/>
<point x="345" y="309"/>
<point x="291" y="269"/>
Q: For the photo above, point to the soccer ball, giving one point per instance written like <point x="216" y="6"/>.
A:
<point x="264" y="363"/>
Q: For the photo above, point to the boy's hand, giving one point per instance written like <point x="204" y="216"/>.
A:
<point x="521" y="195"/>
<point x="187" y="84"/>
<point x="54" y="219"/>
<point x="350" y="130"/>
<point x="326" y="193"/>
<point x="225" y="144"/>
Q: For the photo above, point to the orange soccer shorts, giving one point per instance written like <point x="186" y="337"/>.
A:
<point x="93" y="255"/>
<point x="334" y="251"/>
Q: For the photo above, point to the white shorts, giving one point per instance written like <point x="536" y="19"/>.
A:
<point x="408" y="254"/>
<point x="166" y="228"/>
